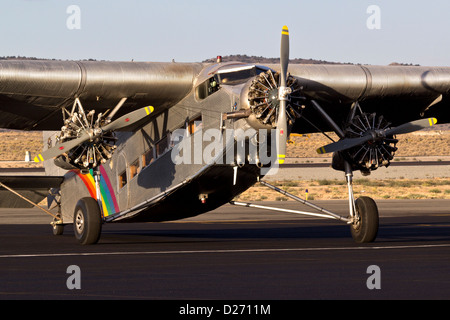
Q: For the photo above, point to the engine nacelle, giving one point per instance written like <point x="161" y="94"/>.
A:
<point x="371" y="155"/>
<point x="260" y="95"/>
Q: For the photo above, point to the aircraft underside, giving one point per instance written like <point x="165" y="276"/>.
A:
<point x="208" y="191"/>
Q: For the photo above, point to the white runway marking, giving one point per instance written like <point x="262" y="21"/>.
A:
<point x="51" y="255"/>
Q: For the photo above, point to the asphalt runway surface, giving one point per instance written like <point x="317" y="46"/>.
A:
<point x="233" y="254"/>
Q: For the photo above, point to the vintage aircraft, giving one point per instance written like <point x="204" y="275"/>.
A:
<point x="122" y="128"/>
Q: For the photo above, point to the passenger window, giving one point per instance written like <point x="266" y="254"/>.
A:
<point x="134" y="169"/>
<point x="161" y="146"/>
<point x="148" y="157"/>
<point x="122" y="179"/>
<point x="194" y="125"/>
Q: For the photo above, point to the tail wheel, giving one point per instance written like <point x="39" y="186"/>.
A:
<point x="365" y="227"/>
<point x="87" y="222"/>
<point x="58" y="226"/>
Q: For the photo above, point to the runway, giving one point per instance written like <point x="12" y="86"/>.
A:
<point x="234" y="254"/>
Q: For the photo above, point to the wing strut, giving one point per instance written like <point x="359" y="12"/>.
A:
<point x="363" y="219"/>
<point x="324" y="213"/>
<point x="59" y="220"/>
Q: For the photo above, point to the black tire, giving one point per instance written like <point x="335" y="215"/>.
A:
<point x="365" y="229"/>
<point x="87" y="221"/>
<point x="58" y="229"/>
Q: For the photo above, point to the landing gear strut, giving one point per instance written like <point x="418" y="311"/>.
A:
<point x="363" y="213"/>
<point x="363" y="219"/>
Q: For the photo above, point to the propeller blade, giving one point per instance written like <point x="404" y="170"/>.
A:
<point x="412" y="126"/>
<point x="284" y="55"/>
<point x="128" y="119"/>
<point x="281" y="136"/>
<point x="344" y="144"/>
<point x="61" y="148"/>
<point x="353" y="142"/>
<point x="120" y="123"/>
<point x="282" y="133"/>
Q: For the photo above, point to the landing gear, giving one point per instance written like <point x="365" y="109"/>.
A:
<point x="363" y="219"/>
<point x="363" y="212"/>
<point x="58" y="228"/>
<point x="87" y="221"/>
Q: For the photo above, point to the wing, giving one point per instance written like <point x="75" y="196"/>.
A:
<point x="399" y="93"/>
<point x="366" y="106"/>
<point x="32" y="93"/>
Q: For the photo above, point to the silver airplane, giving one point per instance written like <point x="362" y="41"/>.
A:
<point x="141" y="141"/>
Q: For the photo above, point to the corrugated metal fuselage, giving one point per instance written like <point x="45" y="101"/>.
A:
<point x="142" y="170"/>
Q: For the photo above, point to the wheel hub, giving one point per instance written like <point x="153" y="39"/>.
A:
<point x="356" y="223"/>
<point x="79" y="222"/>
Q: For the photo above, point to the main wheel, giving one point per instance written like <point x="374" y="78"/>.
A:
<point x="365" y="227"/>
<point x="87" y="221"/>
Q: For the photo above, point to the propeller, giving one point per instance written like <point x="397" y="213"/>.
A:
<point x="377" y="135"/>
<point x="93" y="134"/>
<point x="283" y="97"/>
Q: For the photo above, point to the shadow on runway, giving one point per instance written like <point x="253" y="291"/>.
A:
<point x="421" y="229"/>
<point x="428" y="229"/>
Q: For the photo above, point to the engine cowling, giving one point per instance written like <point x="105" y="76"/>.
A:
<point x="373" y="154"/>
<point x="261" y="97"/>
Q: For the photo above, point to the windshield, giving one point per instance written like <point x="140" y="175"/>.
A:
<point x="237" y="75"/>
<point x="231" y="74"/>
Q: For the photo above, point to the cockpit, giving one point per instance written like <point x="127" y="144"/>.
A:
<point x="230" y="74"/>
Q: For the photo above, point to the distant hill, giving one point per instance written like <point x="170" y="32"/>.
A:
<point x="34" y="58"/>
<point x="254" y="59"/>
<point x="262" y="60"/>
<point x="236" y="57"/>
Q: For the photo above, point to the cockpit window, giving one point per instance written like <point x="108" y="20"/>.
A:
<point x="208" y="87"/>
<point x="233" y="77"/>
<point x="227" y="76"/>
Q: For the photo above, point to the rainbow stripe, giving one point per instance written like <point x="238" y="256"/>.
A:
<point x="109" y="201"/>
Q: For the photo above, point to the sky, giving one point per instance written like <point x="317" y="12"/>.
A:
<point x="416" y="32"/>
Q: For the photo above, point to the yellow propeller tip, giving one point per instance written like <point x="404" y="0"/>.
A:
<point x="285" y="30"/>
<point x="432" y="121"/>
<point x="149" y="109"/>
